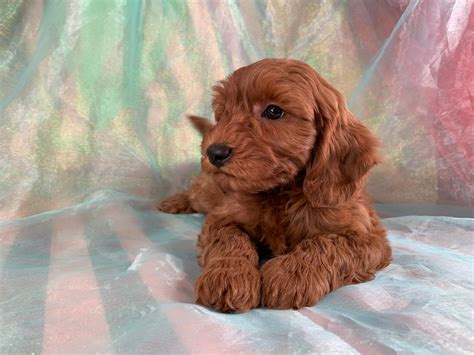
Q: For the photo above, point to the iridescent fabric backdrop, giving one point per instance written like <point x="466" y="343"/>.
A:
<point x="92" y="101"/>
<point x="93" y="93"/>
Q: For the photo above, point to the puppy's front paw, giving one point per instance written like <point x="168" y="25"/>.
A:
<point x="289" y="283"/>
<point x="229" y="285"/>
<point x="178" y="203"/>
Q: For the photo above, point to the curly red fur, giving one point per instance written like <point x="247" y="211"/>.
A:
<point x="293" y="185"/>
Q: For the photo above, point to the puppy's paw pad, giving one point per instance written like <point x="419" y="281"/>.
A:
<point x="229" y="286"/>
<point x="178" y="203"/>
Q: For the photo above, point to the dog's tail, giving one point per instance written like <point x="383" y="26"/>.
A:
<point x="203" y="125"/>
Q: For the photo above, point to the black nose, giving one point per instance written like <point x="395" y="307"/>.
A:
<point x="218" y="154"/>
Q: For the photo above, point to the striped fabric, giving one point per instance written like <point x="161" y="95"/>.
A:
<point x="113" y="276"/>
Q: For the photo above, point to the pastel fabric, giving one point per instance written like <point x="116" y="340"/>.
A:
<point x="114" y="276"/>
<point x="92" y="102"/>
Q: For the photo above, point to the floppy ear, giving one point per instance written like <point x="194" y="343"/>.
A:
<point x="203" y="125"/>
<point x="344" y="151"/>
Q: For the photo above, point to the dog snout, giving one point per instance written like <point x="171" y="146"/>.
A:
<point x="218" y="154"/>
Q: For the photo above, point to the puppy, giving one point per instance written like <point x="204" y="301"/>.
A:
<point x="284" y="168"/>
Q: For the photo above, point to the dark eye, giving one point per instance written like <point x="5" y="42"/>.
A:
<point x="273" y="112"/>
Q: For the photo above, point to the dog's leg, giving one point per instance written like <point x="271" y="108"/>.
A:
<point x="230" y="279"/>
<point x="320" y="265"/>
<point x="178" y="203"/>
<point x="203" y="196"/>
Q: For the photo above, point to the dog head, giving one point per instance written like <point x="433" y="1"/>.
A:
<point x="278" y="119"/>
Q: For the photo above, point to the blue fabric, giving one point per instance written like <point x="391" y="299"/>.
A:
<point x="113" y="275"/>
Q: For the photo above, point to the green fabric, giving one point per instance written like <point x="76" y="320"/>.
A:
<point x="93" y="93"/>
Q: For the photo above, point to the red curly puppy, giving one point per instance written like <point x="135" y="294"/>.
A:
<point x="284" y="167"/>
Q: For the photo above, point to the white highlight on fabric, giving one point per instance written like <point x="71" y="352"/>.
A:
<point x="138" y="261"/>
